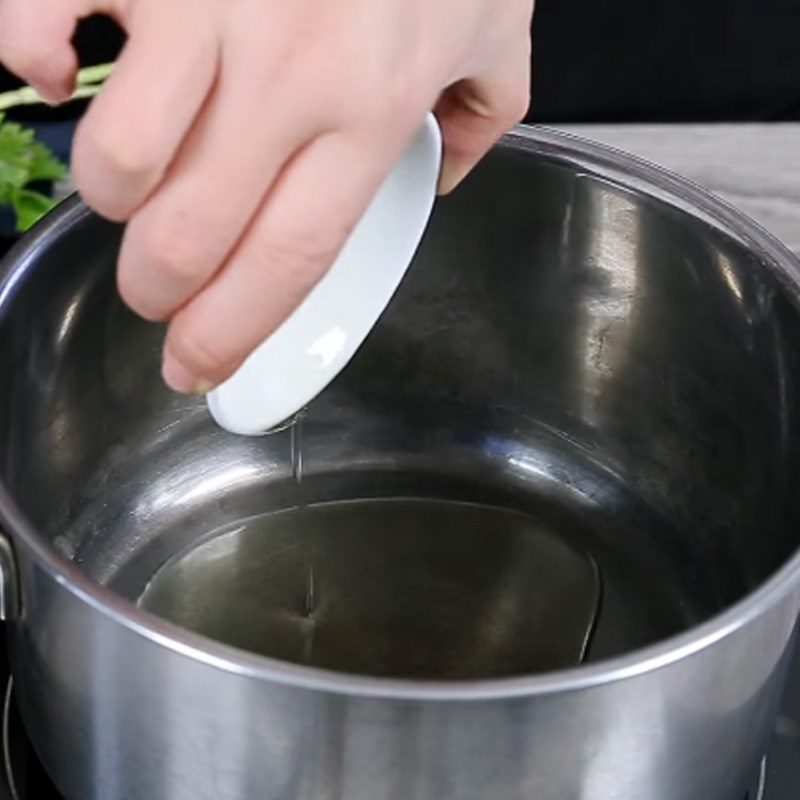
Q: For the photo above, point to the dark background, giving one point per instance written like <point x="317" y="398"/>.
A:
<point x="666" y="60"/>
<point x="628" y="60"/>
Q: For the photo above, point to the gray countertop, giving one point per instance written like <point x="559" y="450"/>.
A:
<point x="754" y="167"/>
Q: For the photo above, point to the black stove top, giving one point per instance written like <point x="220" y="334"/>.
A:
<point x="783" y="761"/>
<point x="23" y="778"/>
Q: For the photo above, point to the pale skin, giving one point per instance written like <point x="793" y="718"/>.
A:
<point x="242" y="139"/>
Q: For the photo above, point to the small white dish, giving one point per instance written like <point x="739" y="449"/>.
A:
<point x="316" y="342"/>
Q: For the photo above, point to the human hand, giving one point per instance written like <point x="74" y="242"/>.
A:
<point x="243" y="139"/>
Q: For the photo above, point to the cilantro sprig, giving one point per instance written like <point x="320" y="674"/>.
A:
<point x="25" y="161"/>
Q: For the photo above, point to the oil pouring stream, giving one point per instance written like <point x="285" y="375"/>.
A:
<point x="308" y="621"/>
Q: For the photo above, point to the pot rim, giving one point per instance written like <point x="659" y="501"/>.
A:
<point x="629" y="173"/>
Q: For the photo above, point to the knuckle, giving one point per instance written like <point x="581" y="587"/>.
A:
<point x="122" y="154"/>
<point x="109" y="166"/>
<point x="300" y="259"/>
<point x="171" y="251"/>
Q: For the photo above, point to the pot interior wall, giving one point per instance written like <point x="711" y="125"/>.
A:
<point x="592" y="395"/>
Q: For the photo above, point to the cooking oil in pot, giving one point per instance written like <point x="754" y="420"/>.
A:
<point x="393" y="587"/>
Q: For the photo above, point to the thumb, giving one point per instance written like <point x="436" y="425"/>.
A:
<point x="35" y="41"/>
<point x="473" y="115"/>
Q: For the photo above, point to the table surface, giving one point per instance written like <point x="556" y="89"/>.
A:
<point x="755" y="167"/>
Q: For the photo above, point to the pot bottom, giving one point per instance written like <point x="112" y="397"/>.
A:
<point x="408" y="575"/>
<point x="420" y="588"/>
<point x="395" y="587"/>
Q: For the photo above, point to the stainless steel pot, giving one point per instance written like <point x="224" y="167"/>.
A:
<point x="590" y="384"/>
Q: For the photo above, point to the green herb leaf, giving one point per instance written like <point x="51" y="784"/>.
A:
<point x="44" y="166"/>
<point x="15" y="157"/>
<point x="24" y="160"/>
<point x="30" y="207"/>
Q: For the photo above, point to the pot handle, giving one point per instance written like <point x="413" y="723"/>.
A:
<point x="9" y="583"/>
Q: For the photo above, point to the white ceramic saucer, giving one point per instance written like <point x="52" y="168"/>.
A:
<point x="316" y="342"/>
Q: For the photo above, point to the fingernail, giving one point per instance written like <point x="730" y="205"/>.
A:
<point x="450" y="178"/>
<point x="182" y="380"/>
<point x="50" y="99"/>
<point x="53" y="96"/>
